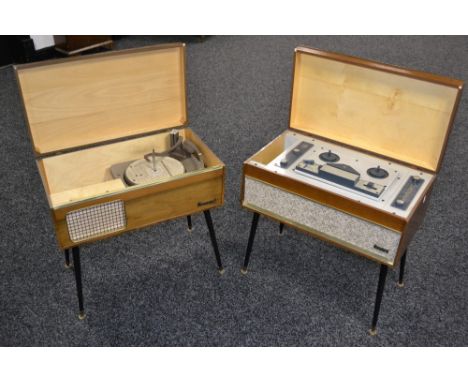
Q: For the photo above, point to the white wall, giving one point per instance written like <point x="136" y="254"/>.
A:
<point x="44" y="41"/>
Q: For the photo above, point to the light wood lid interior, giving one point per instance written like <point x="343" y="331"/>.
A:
<point x="97" y="98"/>
<point x="391" y="114"/>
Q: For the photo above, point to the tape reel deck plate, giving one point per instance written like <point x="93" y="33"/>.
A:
<point x="389" y="186"/>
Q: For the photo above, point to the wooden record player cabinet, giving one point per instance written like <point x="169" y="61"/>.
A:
<point x="88" y="113"/>
<point x="402" y="115"/>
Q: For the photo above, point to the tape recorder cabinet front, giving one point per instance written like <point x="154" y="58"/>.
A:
<point x="357" y="165"/>
<point x="113" y="147"/>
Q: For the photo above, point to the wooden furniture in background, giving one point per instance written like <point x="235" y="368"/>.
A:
<point x="74" y="45"/>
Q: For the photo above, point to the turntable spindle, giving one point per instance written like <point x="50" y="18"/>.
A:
<point x="153" y="160"/>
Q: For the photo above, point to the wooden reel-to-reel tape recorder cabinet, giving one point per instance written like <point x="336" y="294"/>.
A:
<point x="357" y="165"/>
<point x="113" y="147"/>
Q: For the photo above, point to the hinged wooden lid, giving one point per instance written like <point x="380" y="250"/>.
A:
<point x="91" y="99"/>
<point x="401" y="114"/>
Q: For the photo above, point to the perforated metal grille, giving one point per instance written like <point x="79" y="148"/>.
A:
<point x="96" y="220"/>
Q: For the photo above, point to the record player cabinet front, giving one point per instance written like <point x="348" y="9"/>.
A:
<point x="88" y="113"/>
<point x="399" y="115"/>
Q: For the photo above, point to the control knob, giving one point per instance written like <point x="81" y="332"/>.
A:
<point x="284" y="162"/>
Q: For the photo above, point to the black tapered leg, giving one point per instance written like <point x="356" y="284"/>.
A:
<point x="209" y="223"/>
<point x="253" y="229"/>
<point x="67" y="258"/>
<point x="402" y="270"/>
<point x="79" y="287"/>
<point x="189" y="223"/>
<point x="281" y="228"/>
<point x="378" y="298"/>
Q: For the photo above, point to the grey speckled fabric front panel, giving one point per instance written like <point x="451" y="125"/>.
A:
<point x="334" y="223"/>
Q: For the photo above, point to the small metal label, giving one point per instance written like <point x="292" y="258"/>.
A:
<point x="380" y="248"/>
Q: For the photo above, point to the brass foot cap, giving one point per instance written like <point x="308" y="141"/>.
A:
<point x="82" y="315"/>
<point x="68" y="266"/>
<point x="373" y="332"/>
<point x="401" y="284"/>
<point x="221" y="271"/>
<point x="244" y="271"/>
<point x="189" y="230"/>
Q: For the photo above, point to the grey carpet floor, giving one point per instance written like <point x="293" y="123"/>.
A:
<point x="159" y="286"/>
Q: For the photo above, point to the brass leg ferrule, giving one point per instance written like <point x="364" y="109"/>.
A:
<point x="401" y="284"/>
<point x="221" y="271"/>
<point x="82" y="315"/>
<point x="244" y="271"/>
<point x="373" y="331"/>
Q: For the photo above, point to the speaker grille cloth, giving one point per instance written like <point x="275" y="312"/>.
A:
<point x="357" y="233"/>
<point x="96" y="220"/>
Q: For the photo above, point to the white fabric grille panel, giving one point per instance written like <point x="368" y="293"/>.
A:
<point x="361" y="234"/>
<point x="96" y="220"/>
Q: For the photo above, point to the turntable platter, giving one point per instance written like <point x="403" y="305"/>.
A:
<point x="143" y="171"/>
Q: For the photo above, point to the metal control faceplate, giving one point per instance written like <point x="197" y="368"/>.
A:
<point x="289" y="157"/>
<point x="408" y="192"/>
<point x="368" y="179"/>
<point x="341" y="174"/>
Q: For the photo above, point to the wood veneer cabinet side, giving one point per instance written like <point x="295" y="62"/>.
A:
<point x="146" y="207"/>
